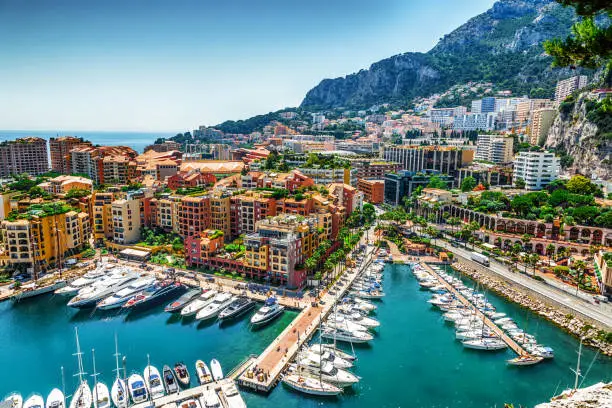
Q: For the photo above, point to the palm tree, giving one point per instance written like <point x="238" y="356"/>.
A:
<point x="580" y="268"/>
<point x="526" y="238"/>
<point x="515" y="250"/>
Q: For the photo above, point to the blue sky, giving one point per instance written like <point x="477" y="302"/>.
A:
<point x="174" y="65"/>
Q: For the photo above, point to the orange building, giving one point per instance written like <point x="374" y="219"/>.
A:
<point x="373" y="190"/>
<point x="198" y="248"/>
<point x="194" y="216"/>
<point x="59" y="149"/>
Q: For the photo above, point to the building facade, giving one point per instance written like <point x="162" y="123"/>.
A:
<point x="541" y="120"/>
<point x="59" y="149"/>
<point x="496" y="149"/>
<point x="446" y="160"/>
<point x="537" y="169"/>
<point x="569" y="85"/>
<point x="25" y="155"/>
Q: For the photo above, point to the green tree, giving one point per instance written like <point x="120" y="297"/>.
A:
<point x="519" y="183"/>
<point x="550" y="250"/>
<point x="436" y="182"/>
<point x="580" y="270"/>
<point x="581" y="185"/>
<point x="589" y="45"/>
<point x="468" y="184"/>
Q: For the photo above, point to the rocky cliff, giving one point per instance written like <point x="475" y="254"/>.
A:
<point x="579" y="132"/>
<point x="502" y="45"/>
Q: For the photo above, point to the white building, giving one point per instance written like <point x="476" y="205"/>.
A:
<point x="537" y="169"/>
<point x="495" y="148"/>
<point x="569" y="85"/>
<point x="476" y="121"/>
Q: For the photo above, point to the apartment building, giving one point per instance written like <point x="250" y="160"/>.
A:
<point x="537" y="169"/>
<point x="294" y="206"/>
<point x="443" y="159"/>
<point x="126" y="221"/>
<point x="40" y="241"/>
<point x="252" y="208"/>
<point x="475" y="121"/>
<point x="102" y="216"/>
<point x="118" y="170"/>
<point x="373" y="190"/>
<point x="63" y="184"/>
<point x="541" y="120"/>
<point x="165" y="146"/>
<point x="194" y="216"/>
<point x="24" y="155"/>
<point x="328" y="176"/>
<point x="281" y="243"/>
<point x="486" y="174"/>
<point x="402" y="184"/>
<point x="220" y="213"/>
<point x="104" y="164"/>
<point x="346" y="196"/>
<point x="569" y="85"/>
<point x="201" y="247"/>
<point x="60" y="148"/>
<point x="373" y="168"/>
<point x="495" y="148"/>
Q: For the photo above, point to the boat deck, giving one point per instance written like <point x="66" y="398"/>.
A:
<point x="497" y="330"/>
<point x="275" y="358"/>
<point x="173" y="400"/>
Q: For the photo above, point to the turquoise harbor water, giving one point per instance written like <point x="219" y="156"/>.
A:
<point x="136" y="140"/>
<point x="414" y="360"/>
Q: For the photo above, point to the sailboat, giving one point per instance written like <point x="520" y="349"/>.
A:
<point x="35" y="401"/>
<point x="82" y="397"/>
<point x="119" y="389"/>
<point x="153" y="381"/>
<point x="15" y="400"/>
<point x="101" y="396"/>
<point x="55" y="399"/>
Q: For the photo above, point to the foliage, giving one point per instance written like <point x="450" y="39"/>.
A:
<point x="582" y="185"/>
<point x="22" y="183"/>
<point x="468" y="184"/>
<point x="436" y="182"/>
<point x="77" y="193"/>
<point x="326" y="161"/>
<point x="159" y="237"/>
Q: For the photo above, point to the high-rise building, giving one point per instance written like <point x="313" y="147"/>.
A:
<point x="495" y="148"/>
<point x="541" y="120"/>
<point x="373" y="190"/>
<point x="403" y="183"/>
<point x="444" y="159"/>
<point x="487" y="105"/>
<point x="475" y="121"/>
<point x="194" y="216"/>
<point x="126" y="221"/>
<point x="102" y="216"/>
<point x="536" y="169"/>
<point x="476" y="106"/>
<point x="569" y="85"/>
<point x="59" y="149"/>
<point x="25" y="155"/>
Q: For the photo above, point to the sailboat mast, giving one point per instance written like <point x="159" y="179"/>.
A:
<point x="63" y="387"/>
<point x="95" y="376"/>
<point x="117" y="358"/>
<point x="79" y="355"/>
<point x="577" y="371"/>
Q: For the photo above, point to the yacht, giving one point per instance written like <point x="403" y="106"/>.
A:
<point x="268" y="312"/>
<point x="220" y="302"/>
<point x="485" y="344"/>
<point x="360" y="319"/>
<point x="119" y="393"/>
<point x="237" y="308"/>
<point x="199" y="303"/>
<point x="215" y="368"/>
<point x="90" y="295"/>
<point x="310" y="385"/>
<point x="203" y="373"/>
<point x="326" y="356"/>
<point x="329" y="373"/>
<point x="190" y="403"/>
<point x="101" y="396"/>
<point x="345" y="335"/>
<point x="153" y="294"/>
<point x="73" y="287"/>
<point x="15" y="400"/>
<point x="232" y="396"/>
<point x="122" y="296"/>
<point x="369" y="294"/>
<point x="34" y="289"/>
<point x="525" y="360"/>
<point x="210" y="399"/>
<point x="137" y="388"/>
<point x="170" y="380"/>
<point x="183" y="301"/>
<point x="35" y="401"/>
<point x="56" y="399"/>
<point x="322" y="348"/>
<point x="153" y="382"/>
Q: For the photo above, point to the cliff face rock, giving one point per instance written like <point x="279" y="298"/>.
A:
<point x="581" y="139"/>
<point x="502" y="45"/>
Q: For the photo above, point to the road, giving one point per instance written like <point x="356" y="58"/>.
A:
<point x="601" y="313"/>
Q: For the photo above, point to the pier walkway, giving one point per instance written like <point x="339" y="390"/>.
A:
<point x="271" y="363"/>
<point x="174" y="400"/>
<point x="497" y="330"/>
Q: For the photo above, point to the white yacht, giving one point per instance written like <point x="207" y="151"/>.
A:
<point x="15" y="400"/>
<point x="322" y="348"/>
<point x="90" y="295"/>
<point x="359" y="318"/>
<point x="138" y="390"/>
<point x="328" y="373"/>
<point x="82" y="397"/>
<point x="199" y="303"/>
<point x="270" y="310"/>
<point x="485" y="344"/>
<point x="153" y="382"/>
<point x="344" y="335"/>
<point x="326" y="356"/>
<point x="87" y="279"/>
<point x="310" y="385"/>
<point x="232" y="396"/>
<point x="101" y="396"/>
<point x="56" y="399"/>
<point x="121" y="297"/>
<point x="220" y="302"/>
<point x="35" y="401"/>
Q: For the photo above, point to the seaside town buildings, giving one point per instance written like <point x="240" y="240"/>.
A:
<point x="536" y="169"/>
<point x="24" y="155"/>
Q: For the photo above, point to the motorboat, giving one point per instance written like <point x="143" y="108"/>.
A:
<point x="170" y="380"/>
<point x="56" y="399"/>
<point x="360" y="304"/>
<point x="360" y="319"/>
<point x="327" y="356"/>
<point x="35" y="401"/>
<point x="120" y="297"/>
<point x="268" y="312"/>
<point x="503" y="320"/>
<point x="137" y="388"/>
<point x="342" y="323"/>
<point x="154" y="293"/>
<point x="344" y="335"/>
<point x="203" y="373"/>
<point x="91" y="295"/>
<point x="199" y="303"/>
<point x="310" y="385"/>
<point x="485" y="344"/>
<point x="475" y="334"/>
<point x="183" y="301"/>
<point x="15" y="399"/>
<point x="237" y="308"/>
<point x="73" y="287"/>
<point x="232" y="396"/>
<point x="539" y="350"/>
<point x="525" y="360"/>
<point x="220" y="302"/>
<point x="374" y="294"/>
<point x="153" y="382"/>
<point x="190" y="403"/>
<point x="215" y="368"/>
<point x="101" y="396"/>
<point x="322" y="348"/>
<point x="210" y="399"/>
<point x="182" y="374"/>
<point x="329" y="373"/>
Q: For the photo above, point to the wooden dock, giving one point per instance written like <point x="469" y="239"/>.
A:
<point x="497" y="330"/>
<point x="174" y="400"/>
<point x="264" y="372"/>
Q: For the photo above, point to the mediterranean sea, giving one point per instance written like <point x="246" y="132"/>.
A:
<point x="413" y="361"/>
